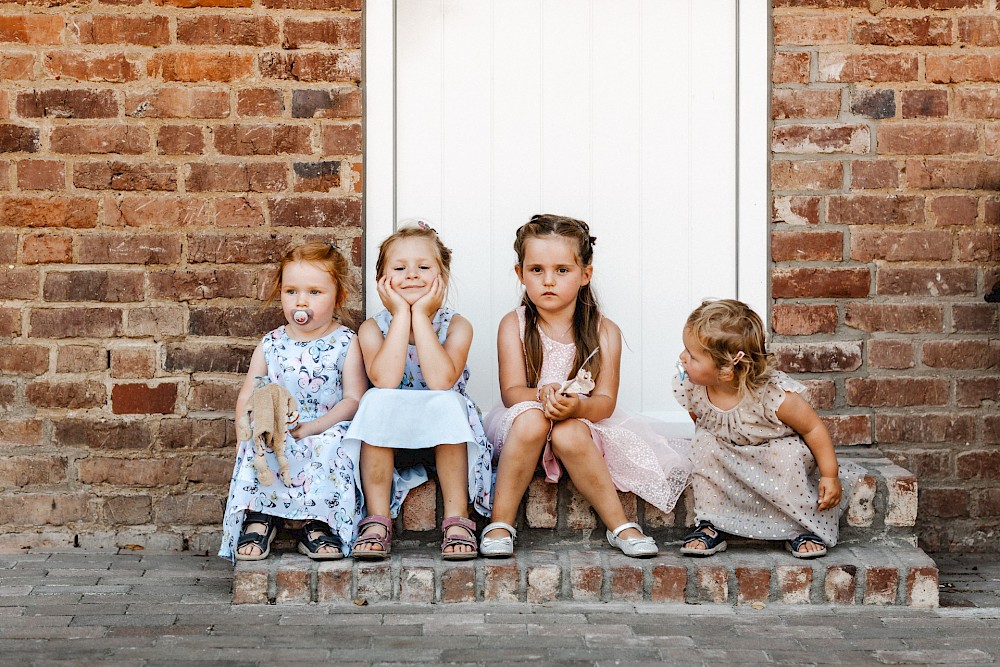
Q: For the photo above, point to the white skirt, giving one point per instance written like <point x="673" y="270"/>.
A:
<point x="411" y="419"/>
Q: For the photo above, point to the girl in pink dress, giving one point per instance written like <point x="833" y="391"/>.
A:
<point x="557" y="334"/>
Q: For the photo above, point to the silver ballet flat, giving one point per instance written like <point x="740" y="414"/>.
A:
<point x="637" y="547"/>
<point x="498" y="547"/>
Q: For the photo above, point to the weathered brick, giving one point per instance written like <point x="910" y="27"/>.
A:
<point x="934" y="173"/>
<point x="891" y="31"/>
<point x="416" y="583"/>
<point x="753" y="584"/>
<point x="311" y="66"/>
<point x="790" y="67"/>
<point x="374" y="581"/>
<point x="579" y="514"/>
<point x="896" y="391"/>
<point x="712" y="583"/>
<point x="540" y="509"/>
<point x="337" y="102"/>
<point x="133" y="362"/>
<point x="849" y="430"/>
<point x="60" y="103"/>
<point x="961" y="354"/>
<point x="922" y="587"/>
<point x="119" y="175"/>
<point x="925" y="464"/>
<point x="8" y="247"/>
<point x="817" y="357"/>
<point x="976" y="103"/>
<point x="69" y="395"/>
<point x="144" y="472"/>
<point x="803" y="320"/>
<point x="793" y="175"/>
<point x="193" y="285"/>
<point x="975" y="317"/>
<point x="800" y="30"/>
<point x="41" y="175"/>
<point x="24" y="359"/>
<point x="129" y="399"/>
<point x="979" y="246"/>
<point x="955" y="210"/>
<point x="96" y="139"/>
<point x="263" y="139"/>
<point x="795" y="210"/>
<point x="915" y="281"/>
<point x="794" y="583"/>
<point x="19" y="283"/>
<point x="872" y="209"/>
<point x="881" y="584"/>
<point x="821" y="138"/>
<point x="342" y="139"/>
<point x="991" y="430"/>
<point x="669" y="583"/>
<point x="340" y="32"/>
<point x="250" y="582"/>
<point x="458" y="583"/>
<point x="979" y="30"/>
<point x="172" y="102"/>
<point x="156" y="211"/>
<point x="235" y="321"/>
<point x="983" y="464"/>
<point x="180" y="140"/>
<point x="81" y="359"/>
<point x="420" y="509"/>
<point x="113" y="67"/>
<point x="501" y="581"/>
<point x="874" y="174"/>
<point x="129" y="248"/>
<point x="807" y="246"/>
<point x="923" y="428"/>
<point x="75" y="322"/>
<point x="32" y="29"/>
<point x="210" y="470"/>
<point x="94" y="285"/>
<point x="955" y="68"/>
<point x="230" y="30"/>
<point x="217" y="396"/>
<point x="944" y="503"/>
<point x="215" y="434"/>
<point x="921" y="139"/>
<point x="14" y="66"/>
<point x="903" y="318"/>
<point x="195" y="4"/>
<point x="238" y="212"/>
<point x="861" y="508"/>
<point x="314" y="212"/>
<point x="123" y="29"/>
<point x="127" y="510"/>
<point x="316" y="176"/>
<point x="45" y="509"/>
<point x="233" y="248"/>
<point x="23" y="471"/>
<point x="59" y="211"/>
<point x="873" y="102"/>
<point x="194" y="66"/>
<point x="236" y="177"/>
<point x="155" y="321"/>
<point x="333" y="581"/>
<point x="626" y="579"/>
<point x="327" y="5"/>
<point x="189" y="509"/>
<point x="840" y="584"/>
<point x="972" y="392"/>
<point x="822" y="283"/>
<point x="925" y="103"/>
<point x="260" y="102"/>
<point x="18" y="139"/>
<point x="867" y="67"/>
<point x="892" y="354"/>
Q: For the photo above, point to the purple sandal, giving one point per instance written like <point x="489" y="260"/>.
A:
<point x="457" y="540"/>
<point x="373" y="538"/>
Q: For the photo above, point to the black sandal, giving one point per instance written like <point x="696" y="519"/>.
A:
<point x="311" y="546"/>
<point x="262" y="542"/>
<point x="793" y="546"/>
<point x="713" y="543"/>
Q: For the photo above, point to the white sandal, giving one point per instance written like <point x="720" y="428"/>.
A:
<point x="498" y="547"/>
<point x="636" y="547"/>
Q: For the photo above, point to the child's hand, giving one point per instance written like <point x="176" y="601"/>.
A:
<point x="830" y="491"/>
<point x="559" y="407"/>
<point x="429" y="303"/>
<point x="305" y="429"/>
<point x="391" y="299"/>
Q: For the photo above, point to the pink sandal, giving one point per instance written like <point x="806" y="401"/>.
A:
<point x="457" y="540"/>
<point x="373" y="538"/>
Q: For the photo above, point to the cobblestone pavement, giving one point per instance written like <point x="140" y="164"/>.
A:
<point x="133" y="609"/>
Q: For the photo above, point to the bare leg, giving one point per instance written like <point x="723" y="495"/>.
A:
<point x="574" y="446"/>
<point x="518" y="460"/>
<point x="453" y="476"/>
<point x="376" y="482"/>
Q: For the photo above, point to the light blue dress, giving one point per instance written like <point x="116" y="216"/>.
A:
<point x="415" y="417"/>
<point x="323" y="468"/>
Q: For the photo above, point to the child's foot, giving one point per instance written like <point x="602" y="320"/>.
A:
<point x="806" y="545"/>
<point x="459" y="539"/>
<point x="318" y="542"/>
<point x="498" y="540"/>
<point x="374" y="539"/>
<point x="704" y="541"/>
<point x="259" y="530"/>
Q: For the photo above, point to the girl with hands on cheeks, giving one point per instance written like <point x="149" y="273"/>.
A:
<point x="415" y="351"/>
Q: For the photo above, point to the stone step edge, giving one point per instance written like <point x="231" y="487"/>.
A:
<point x="851" y="574"/>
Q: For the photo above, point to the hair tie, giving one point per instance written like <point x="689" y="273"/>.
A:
<point x="739" y="355"/>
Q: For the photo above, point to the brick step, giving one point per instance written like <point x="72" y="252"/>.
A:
<point x="889" y="573"/>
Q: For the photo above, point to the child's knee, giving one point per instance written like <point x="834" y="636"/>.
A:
<point x="530" y="424"/>
<point x="571" y="438"/>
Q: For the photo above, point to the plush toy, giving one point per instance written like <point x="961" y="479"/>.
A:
<point x="583" y="383"/>
<point x="274" y="411"/>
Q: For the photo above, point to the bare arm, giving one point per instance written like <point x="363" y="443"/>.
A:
<point x="442" y="365"/>
<point x="385" y="356"/>
<point x="603" y="399"/>
<point x="514" y="387"/>
<point x="355" y="384"/>
<point x="800" y="416"/>
<point x="258" y="368"/>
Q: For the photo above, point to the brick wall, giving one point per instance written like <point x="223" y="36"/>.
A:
<point x="885" y="173"/>
<point x="153" y="155"/>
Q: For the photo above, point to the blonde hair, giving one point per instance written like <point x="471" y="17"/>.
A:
<point x="324" y="255"/>
<point x="725" y="328"/>
<point x="586" y="315"/>
<point x="419" y="230"/>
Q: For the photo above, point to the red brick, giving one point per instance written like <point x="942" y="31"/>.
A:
<point x="867" y="67"/>
<point x="128" y="510"/>
<point x="129" y="248"/>
<point x="311" y="66"/>
<point x="315" y="212"/>
<point x="118" y="175"/>
<point x="626" y="580"/>
<point x="155" y="321"/>
<point x="214" y="434"/>
<point x="873" y="102"/>
<point x="954" y="68"/>
<point x="238" y="212"/>
<point x="236" y="248"/>
<point x="165" y="211"/>
<point x="923" y="31"/>
<point x="976" y="103"/>
<point x="794" y="583"/>
<point x="790" y="67"/>
<point x="458" y="583"/>
<point x="194" y="66"/>
<point x="806" y="175"/>
<point x="260" y="102"/>
<point x="20" y="432"/>
<point x="881" y="584"/>
<point x="126" y="472"/>
<point x="817" y="357"/>
<point x="822" y="394"/>
<point x="992" y="215"/>
<point x="8" y="247"/>
<point x="81" y="359"/>
<point x="712" y="582"/>
<point x="18" y="139"/>
<point x="972" y="392"/>
<point x="250" y="583"/>
<point x="944" y="503"/>
<point x="96" y="139"/>
<point x="669" y="583"/>
<point x="925" y="281"/>
<point x="753" y="584"/>
<point x="75" y="322"/>
<point x="32" y="29"/>
<point x="925" y="103"/>
<point x="342" y="139"/>
<point x="874" y="174"/>
<point x="41" y="175"/>
<point x="335" y="102"/>
<point x="871" y="209"/>
<point x="46" y="249"/>
<point x="955" y="210"/>
<point x="121" y="29"/>
<point x="130" y="399"/>
<point x="191" y="285"/>
<point x="190" y="509"/>
<point x="869" y="244"/>
<point x="924" y="464"/>
<point x="821" y="283"/>
<point x="933" y="173"/>
<point x="230" y="30"/>
<point x="24" y="359"/>
<point x="213" y="395"/>
<point x="991" y="430"/>
<point x="45" y="509"/>
<point x="502" y="581"/>
<point x="316" y="176"/>
<point x="979" y="246"/>
<point x="129" y="362"/>
<point x="807" y="246"/>
<point x="983" y="464"/>
<point x="236" y="177"/>
<point x="896" y="391"/>
<point x="803" y="320"/>
<point x="114" y="67"/>
<point x="987" y="503"/>
<point x="76" y="103"/>
<point x="210" y="470"/>
<point x="420" y="509"/>
<point x="178" y="103"/>
<point x="922" y="587"/>
<point x="69" y="395"/>
<point x="416" y="583"/>
<point x="263" y="139"/>
<point x="795" y="210"/>
<point x="821" y="138"/>
<point x="15" y="66"/>
<point x="180" y="140"/>
<point x="979" y="30"/>
<point x="97" y="285"/>
<point x="975" y="317"/>
<point x="333" y="581"/>
<point x="961" y="354"/>
<point x="848" y="430"/>
<point x="579" y="513"/>
<point x="935" y="4"/>
<point x="341" y="32"/>
<point x="921" y="139"/>
<point x="840" y="584"/>
<point x="924" y="428"/>
<point x="59" y="211"/>
<point x="327" y="5"/>
<point x="540" y="509"/>
<point x="19" y="283"/>
<point x="893" y="354"/>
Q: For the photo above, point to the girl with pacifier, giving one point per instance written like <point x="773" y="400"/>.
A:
<point x="764" y="463"/>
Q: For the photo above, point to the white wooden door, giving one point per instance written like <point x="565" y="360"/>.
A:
<point x="621" y="113"/>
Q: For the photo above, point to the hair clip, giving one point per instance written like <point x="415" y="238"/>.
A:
<point x="423" y="225"/>
<point x="739" y="355"/>
<point x="333" y="245"/>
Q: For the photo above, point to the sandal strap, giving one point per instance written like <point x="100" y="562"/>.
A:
<point x="807" y="537"/>
<point x="377" y="519"/>
<point x="625" y="526"/>
<point x="259" y="517"/>
<point x="468" y="524"/>
<point x="500" y="524"/>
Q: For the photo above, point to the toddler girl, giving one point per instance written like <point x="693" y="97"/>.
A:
<point x="415" y="352"/>
<point x="764" y="465"/>
<point x="316" y="359"/>
<point x="557" y="332"/>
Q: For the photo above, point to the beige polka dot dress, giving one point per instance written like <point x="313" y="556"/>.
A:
<point x="753" y="475"/>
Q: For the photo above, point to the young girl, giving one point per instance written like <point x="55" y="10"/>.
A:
<point x="415" y="353"/>
<point x="546" y="341"/>
<point x="764" y="463"/>
<point x="316" y="359"/>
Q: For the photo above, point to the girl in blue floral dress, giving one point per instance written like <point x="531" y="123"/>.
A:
<point x="415" y="353"/>
<point x="318" y="361"/>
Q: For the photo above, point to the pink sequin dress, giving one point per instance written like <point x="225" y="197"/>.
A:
<point x="640" y="460"/>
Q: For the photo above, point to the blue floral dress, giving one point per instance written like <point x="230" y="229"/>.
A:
<point x="415" y="417"/>
<point x="322" y="468"/>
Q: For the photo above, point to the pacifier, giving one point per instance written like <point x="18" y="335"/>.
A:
<point x="681" y="373"/>
<point x="301" y="316"/>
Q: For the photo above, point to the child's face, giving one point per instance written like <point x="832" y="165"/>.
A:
<point x="310" y="289"/>
<point x="551" y="272"/>
<point x="412" y="265"/>
<point x="697" y="362"/>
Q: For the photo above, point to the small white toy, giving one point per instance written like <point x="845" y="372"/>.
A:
<point x="583" y="383"/>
